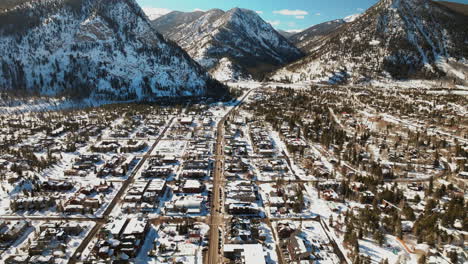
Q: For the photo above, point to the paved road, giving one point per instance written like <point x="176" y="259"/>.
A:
<point x="116" y="199"/>
<point x="217" y="217"/>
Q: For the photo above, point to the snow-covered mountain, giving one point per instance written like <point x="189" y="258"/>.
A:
<point x="169" y="22"/>
<point x="153" y="12"/>
<point x="231" y="44"/>
<point x="306" y="39"/>
<point x="394" y="39"/>
<point x="288" y="33"/>
<point x="351" y="18"/>
<point x="92" y="48"/>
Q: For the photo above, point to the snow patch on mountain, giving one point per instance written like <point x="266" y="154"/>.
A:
<point x="226" y="70"/>
<point x="154" y="12"/>
<point x="352" y="18"/>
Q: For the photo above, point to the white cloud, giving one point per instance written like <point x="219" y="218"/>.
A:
<point x="300" y="17"/>
<point x="198" y="10"/>
<point x="259" y="12"/>
<point x="274" y="23"/>
<point x="154" y="12"/>
<point x="287" y="12"/>
<point x="360" y="9"/>
<point x="318" y="14"/>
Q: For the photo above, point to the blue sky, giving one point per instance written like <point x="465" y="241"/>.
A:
<point x="286" y="15"/>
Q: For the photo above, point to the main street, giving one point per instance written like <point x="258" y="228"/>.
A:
<point x="217" y="217"/>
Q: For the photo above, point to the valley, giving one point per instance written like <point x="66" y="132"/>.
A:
<point x="214" y="182"/>
<point x="136" y="134"/>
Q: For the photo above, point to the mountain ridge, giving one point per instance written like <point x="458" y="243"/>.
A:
<point x="307" y="38"/>
<point x="81" y="48"/>
<point x="394" y="39"/>
<point x="237" y="35"/>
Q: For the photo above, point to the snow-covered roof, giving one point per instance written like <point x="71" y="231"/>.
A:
<point x="135" y="226"/>
<point x="252" y="254"/>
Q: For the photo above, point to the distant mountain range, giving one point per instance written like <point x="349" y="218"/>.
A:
<point x="92" y="48"/>
<point x="394" y="39"/>
<point x="288" y="34"/>
<point x="306" y="39"/>
<point x="236" y="44"/>
<point x="110" y="49"/>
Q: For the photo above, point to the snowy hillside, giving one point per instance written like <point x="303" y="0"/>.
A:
<point x="306" y="39"/>
<point x="92" y="48"/>
<point x="169" y="22"/>
<point x="395" y="39"/>
<point x="238" y="35"/>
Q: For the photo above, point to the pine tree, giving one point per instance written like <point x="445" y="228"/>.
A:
<point x="431" y="186"/>
<point x="379" y="237"/>
<point x="453" y="256"/>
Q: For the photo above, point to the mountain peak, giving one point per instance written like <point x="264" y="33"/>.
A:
<point x="352" y="18"/>
<point x="239" y="36"/>
<point x="243" y="14"/>
<point x="241" y="11"/>
<point x="398" y="3"/>
<point x="214" y="11"/>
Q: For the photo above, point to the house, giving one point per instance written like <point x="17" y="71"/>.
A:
<point x="119" y="134"/>
<point x="12" y="232"/>
<point x="169" y="159"/>
<point x="242" y="191"/>
<point x="157" y="186"/>
<point x="133" y="147"/>
<point x="463" y="175"/>
<point x="188" y="204"/>
<point x="42" y="259"/>
<point x="186" y="121"/>
<point x="297" y="248"/>
<point x="285" y="230"/>
<point x="106" y="146"/>
<point x="245" y="254"/>
<point x="72" y="229"/>
<point x="116" y="227"/>
<point x="117" y="166"/>
<point x="196" y="165"/>
<point x="194" y="174"/>
<point x="244" y="209"/>
<point x="236" y="166"/>
<point x="193" y="186"/>
<point x="57" y="186"/>
<point x="127" y="236"/>
<point x="17" y="259"/>
<point x="92" y="158"/>
<point x="330" y="195"/>
<point x="74" y="209"/>
<point x="157" y="172"/>
<point x="32" y="203"/>
<point x="92" y="203"/>
<point x="366" y="197"/>
<point x="334" y="185"/>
